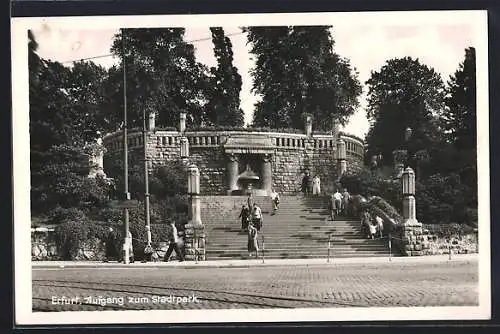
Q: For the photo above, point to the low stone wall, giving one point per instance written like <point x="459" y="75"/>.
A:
<point x="459" y="244"/>
<point x="44" y="248"/>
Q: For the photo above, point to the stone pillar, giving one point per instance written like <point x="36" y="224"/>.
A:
<point x="267" y="174"/>
<point x="184" y="148"/>
<point x="341" y="157"/>
<point x="194" y="237"/>
<point x="232" y="172"/>
<point x="97" y="159"/>
<point x="412" y="230"/>
<point x="152" y="121"/>
<point x="182" y="122"/>
<point x="308" y="126"/>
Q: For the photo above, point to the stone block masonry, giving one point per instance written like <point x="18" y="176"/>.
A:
<point x="290" y="155"/>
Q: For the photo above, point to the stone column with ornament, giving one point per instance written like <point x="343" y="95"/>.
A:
<point x="182" y="122"/>
<point x="411" y="233"/>
<point x="194" y="236"/>
<point x="267" y="175"/>
<point x="232" y="172"/>
<point x="341" y="158"/>
<point x="184" y="142"/>
<point x="97" y="159"/>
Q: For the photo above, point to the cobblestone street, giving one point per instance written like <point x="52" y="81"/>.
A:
<point x="453" y="283"/>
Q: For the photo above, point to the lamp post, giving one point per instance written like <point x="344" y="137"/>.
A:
<point x="146" y="178"/>
<point x="127" y="241"/>
<point x="408" y="133"/>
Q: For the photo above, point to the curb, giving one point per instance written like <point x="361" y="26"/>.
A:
<point x="253" y="263"/>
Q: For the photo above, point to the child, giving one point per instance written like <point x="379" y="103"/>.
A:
<point x="252" y="240"/>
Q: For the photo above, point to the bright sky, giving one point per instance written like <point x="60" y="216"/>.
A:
<point x="367" y="45"/>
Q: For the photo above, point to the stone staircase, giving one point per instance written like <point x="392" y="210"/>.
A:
<point x="300" y="229"/>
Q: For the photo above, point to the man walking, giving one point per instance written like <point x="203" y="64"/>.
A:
<point x="257" y="217"/>
<point x="174" y="243"/>
<point x="244" y="215"/>
<point x="337" y="196"/>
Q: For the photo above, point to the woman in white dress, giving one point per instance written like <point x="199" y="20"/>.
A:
<point x="316" y="185"/>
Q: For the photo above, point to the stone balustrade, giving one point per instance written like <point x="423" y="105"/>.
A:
<point x="354" y="147"/>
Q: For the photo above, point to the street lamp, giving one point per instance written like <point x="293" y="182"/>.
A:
<point x="408" y="180"/>
<point x="127" y="240"/>
<point x="146" y="178"/>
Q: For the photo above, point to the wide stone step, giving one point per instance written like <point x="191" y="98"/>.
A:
<point x="285" y="255"/>
<point x="299" y="248"/>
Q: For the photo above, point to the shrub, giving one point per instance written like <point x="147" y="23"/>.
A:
<point x="61" y="215"/>
<point x="71" y="235"/>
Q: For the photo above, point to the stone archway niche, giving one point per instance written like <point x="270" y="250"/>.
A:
<point x="249" y="164"/>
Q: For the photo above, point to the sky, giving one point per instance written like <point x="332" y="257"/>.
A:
<point x="367" y="45"/>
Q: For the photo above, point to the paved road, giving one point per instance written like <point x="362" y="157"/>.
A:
<point x="453" y="283"/>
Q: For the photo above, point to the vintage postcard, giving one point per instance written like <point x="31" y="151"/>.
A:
<point x="251" y="168"/>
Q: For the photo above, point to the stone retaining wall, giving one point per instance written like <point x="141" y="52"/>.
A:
<point x="292" y="155"/>
<point x="44" y="248"/>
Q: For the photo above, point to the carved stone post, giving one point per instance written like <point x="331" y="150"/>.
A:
<point x="184" y="149"/>
<point x="182" y="122"/>
<point x="97" y="159"/>
<point x="412" y="229"/>
<point x="308" y="126"/>
<point x="194" y="238"/>
<point x="152" y="121"/>
<point x="267" y="175"/>
<point x="341" y="157"/>
<point x="232" y="172"/>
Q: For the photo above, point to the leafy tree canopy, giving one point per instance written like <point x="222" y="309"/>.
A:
<point x="297" y="74"/>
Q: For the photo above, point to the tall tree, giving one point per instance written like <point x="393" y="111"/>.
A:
<point x="459" y="118"/>
<point x="64" y="117"/>
<point x="223" y="107"/>
<point x="403" y="93"/>
<point x="163" y="75"/>
<point x="298" y="74"/>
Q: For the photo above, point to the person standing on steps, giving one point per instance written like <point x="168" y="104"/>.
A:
<point x="250" y="201"/>
<point x="257" y="217"/>
<point x="379" y="222"/>
<point x="306" y="184"/>
<point x="174" y="243"/>
<point x="331" y="207"/>
<point x="275" y="197"/>
<point x="316" y="185"/>
<point x="245" y="216"/>
<point x="252" y="240"/>
<point x="337" y="196"/>
<point x="346" y="197"/>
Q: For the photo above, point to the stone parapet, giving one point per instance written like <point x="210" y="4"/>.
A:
<point x="194" y="243"/>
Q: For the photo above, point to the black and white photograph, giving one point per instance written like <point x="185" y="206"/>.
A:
<point x="251" y="168"/>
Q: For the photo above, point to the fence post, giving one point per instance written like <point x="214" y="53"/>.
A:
<point x="390" y="247"/>
<point x="449" y="251"/>
<point x="329" y="245"/>
<point x="196" y="252"/>
<point x="263" y="248"/>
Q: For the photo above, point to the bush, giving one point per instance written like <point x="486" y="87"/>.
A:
<point x="61" y="215"/>
<point x="367" y="184"/>
<point x="449" y="231"/>
<point x="71" y="235"/>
